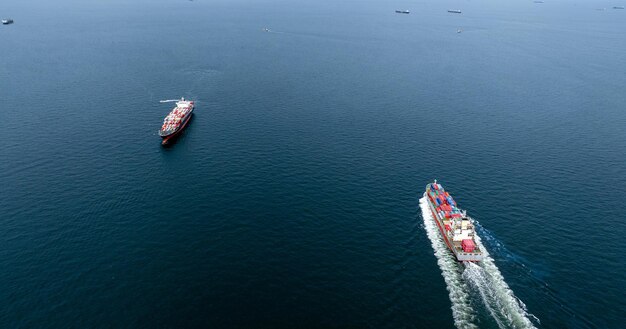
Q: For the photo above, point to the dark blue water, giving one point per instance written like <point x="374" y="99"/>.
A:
<point x="292" y="199"/>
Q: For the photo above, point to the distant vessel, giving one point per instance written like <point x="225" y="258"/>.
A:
<point x="456" y="228"/>
<point x="403" y="12"/>
<point x="459" y="31"/>
<point x="176" y="120"/>
<point x="538" y="1"/>
<point x="7" y="21"/>
<point x="265" y="29"/>
<point x="455" y="11"/>
<point x="618" y="7"/>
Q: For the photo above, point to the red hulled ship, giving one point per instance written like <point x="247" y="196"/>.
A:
<point x="456" y="228"/>
<point x="176" y="120"/>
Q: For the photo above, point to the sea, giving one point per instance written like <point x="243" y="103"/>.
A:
<point x="292" y="199"/>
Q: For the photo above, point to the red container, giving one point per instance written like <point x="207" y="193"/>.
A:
<point x="468" y="245"/>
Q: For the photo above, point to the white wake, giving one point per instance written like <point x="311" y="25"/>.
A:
<point x="483" y="280"/>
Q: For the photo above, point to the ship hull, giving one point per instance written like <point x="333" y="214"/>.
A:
<point x="460" y="255"/>
<point x="175" y="133"/>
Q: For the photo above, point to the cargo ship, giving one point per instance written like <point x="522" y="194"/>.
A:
<point x="456" y="228"/>
<point x="403" y="12"/>
<point x="176" y="120"/>
<point x="454" y="11"/>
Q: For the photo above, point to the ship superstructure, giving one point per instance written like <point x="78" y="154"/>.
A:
<point x="456" y="228"/>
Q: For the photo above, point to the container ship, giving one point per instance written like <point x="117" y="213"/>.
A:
<point x="176" y="120"/>
<point x="456" y="228"/>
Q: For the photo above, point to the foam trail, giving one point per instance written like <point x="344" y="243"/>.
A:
<point x="483" y="279"/>
<point x="531" y="278"/>
<point x="503" y="305"/>
<point x="462" y="311"/>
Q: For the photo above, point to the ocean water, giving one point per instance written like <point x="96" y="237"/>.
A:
<point x="292" y="200"/>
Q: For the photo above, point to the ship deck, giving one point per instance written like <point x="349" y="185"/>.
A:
<point x="467" y="231"/>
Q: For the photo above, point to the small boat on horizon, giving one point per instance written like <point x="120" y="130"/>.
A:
<point x="403" y="12"/>
<point x="7" y="21"/>
<point x="618" y="7"/>
<point x="454" y="11"/>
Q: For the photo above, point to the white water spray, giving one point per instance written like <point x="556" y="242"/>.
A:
<point x="483" y="279"/>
